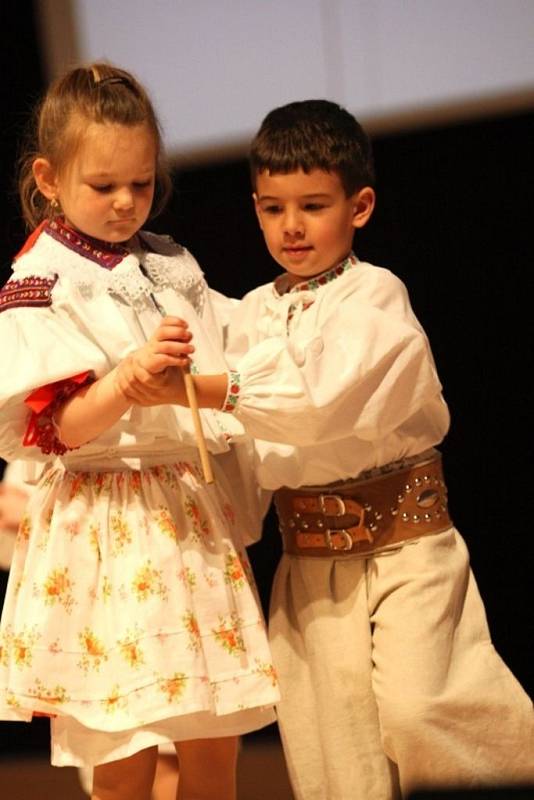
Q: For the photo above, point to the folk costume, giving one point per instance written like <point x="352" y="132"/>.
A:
<point x="388" y="676"/>
<point x="131" y="615"/>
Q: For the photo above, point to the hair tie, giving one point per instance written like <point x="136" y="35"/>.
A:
<point x="113" y="79"/>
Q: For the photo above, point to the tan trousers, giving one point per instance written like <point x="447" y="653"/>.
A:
<point x="389" y="679"/>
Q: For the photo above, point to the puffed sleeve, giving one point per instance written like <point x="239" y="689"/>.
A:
<point x="41" y="347"/>
<point x="361" y="368"/>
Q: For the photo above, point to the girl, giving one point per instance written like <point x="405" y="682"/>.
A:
<point x="130" y="616"/>
<point x="17" y="483"/>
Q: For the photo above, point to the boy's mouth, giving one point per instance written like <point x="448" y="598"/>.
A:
<point x="297" y="249"/>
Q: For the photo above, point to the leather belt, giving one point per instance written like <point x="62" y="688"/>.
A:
<point x="358" y="517"/>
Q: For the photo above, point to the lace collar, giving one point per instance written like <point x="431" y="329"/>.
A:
<point x="153" y="263"/>
<point x="313" y="284"/>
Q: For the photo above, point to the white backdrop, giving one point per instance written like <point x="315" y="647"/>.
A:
<point x="215" y="67"/>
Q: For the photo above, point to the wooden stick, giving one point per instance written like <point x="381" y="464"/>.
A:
<point x="199" y="433"/>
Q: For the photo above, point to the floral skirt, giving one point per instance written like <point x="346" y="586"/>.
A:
<point x="131" y="601"/>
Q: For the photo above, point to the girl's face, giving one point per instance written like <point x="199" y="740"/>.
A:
<point x="107" y="190"/>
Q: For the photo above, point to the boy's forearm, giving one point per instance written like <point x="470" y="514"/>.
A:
<point x="211" y="390"/>
<point x="91" y="411"/>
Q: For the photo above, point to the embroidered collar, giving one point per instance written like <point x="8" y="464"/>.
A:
<point x="313" y="284"/>
<point x="105" y="254"/>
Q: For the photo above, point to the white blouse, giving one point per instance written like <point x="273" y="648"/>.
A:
<point x="333" y="377"/>
<point x="71" y="307"/>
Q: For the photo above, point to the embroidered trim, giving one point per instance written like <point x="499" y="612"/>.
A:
<point x="30" y="291"/>
<point x="232" y="394"/>
<point x="44" y="402"/>
<point x="293" y="307"/>
<point x="327" y="277"/>
<point x="106" y="254"/>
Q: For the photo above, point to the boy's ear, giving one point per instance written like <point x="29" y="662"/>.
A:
<point x="363" y="203"/>
<point x="257" y="207"/>
<point x="45" y="178"/>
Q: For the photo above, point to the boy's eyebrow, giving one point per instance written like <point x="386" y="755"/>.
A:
<point x="312" y="195"/>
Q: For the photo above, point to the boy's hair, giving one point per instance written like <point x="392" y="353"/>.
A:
<point x="98" y="92"/>
<point x="313" y="134"/>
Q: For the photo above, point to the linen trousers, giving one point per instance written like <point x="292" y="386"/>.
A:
<point x="389" y="679"/>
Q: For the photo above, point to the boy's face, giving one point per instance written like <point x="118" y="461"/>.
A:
<point x="307" y="220"/>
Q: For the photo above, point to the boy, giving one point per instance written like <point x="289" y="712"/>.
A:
<point x="389" y="679"/>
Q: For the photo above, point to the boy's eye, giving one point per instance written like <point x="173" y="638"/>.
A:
<point x="271" y="209"/>
<point x="314" y="206"/>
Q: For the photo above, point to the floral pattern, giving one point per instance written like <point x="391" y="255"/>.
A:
<point x="173" y="687"/>
<point x="200" y="525"/>
<point x="58" y="588"/>
<point x="144" y="599"/>
<point x="93" y="652"/>
<point x="228" y="635"/>
<point x="232" y="393"/>
<point x="131" y="650"/>
<point x="234" y="573"/>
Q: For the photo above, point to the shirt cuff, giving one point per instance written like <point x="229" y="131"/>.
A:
<point x="232" y="393"/>
<point x="43" y="403"/>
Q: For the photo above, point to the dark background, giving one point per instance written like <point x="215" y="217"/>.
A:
<point x="454" y="221"/>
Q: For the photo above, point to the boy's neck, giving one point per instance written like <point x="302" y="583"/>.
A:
<point x="288" y="282"/>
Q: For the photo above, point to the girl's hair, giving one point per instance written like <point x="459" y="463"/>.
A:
<point x="313" y="134"/>
<point x="98" y="92"/>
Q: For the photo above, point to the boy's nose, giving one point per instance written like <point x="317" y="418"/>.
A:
<point x="293" y="223"/>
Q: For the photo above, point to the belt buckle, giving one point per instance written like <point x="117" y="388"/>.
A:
<point x="341" y="507"/>
<point x="341" y="511"/>
<point x="361" y="532"/>
<point x="347" y="539"/>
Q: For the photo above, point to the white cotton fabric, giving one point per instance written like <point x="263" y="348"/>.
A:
<point x="131" y="614"/>
<point x="337" y="379"/>
<point x="388" y="676"/>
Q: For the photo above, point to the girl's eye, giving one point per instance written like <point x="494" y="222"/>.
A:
<point x="105" y="188"/>
<point x="142" y="184"/>
<point x="271" y="209"/>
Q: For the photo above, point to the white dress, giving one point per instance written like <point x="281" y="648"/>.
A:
<point x="131" y="609"/>
<point x="388" y="676"/>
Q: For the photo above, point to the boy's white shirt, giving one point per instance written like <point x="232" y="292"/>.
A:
<point x="334" y="378"/>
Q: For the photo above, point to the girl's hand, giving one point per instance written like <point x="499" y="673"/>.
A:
<point x="156" y="390"/>
<point x="149" y="376"/>
<point x="169" y="346"/>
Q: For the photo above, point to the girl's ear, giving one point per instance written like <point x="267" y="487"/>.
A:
<point x="45" y="178"/>
<point x="363" y="203"/>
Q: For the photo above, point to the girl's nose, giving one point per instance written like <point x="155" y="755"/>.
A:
<point x="123" y="199"/>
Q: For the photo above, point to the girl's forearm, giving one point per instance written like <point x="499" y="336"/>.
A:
<point x="91" y="411"/>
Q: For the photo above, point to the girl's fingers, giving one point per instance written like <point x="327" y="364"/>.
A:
<point x="174" y="329"/>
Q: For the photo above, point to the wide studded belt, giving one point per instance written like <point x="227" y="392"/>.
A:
<point x="357" y="517"/>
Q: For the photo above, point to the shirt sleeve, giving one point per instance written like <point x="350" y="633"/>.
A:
<point x="362" y="369"/>
<point x="41" y="347"/>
